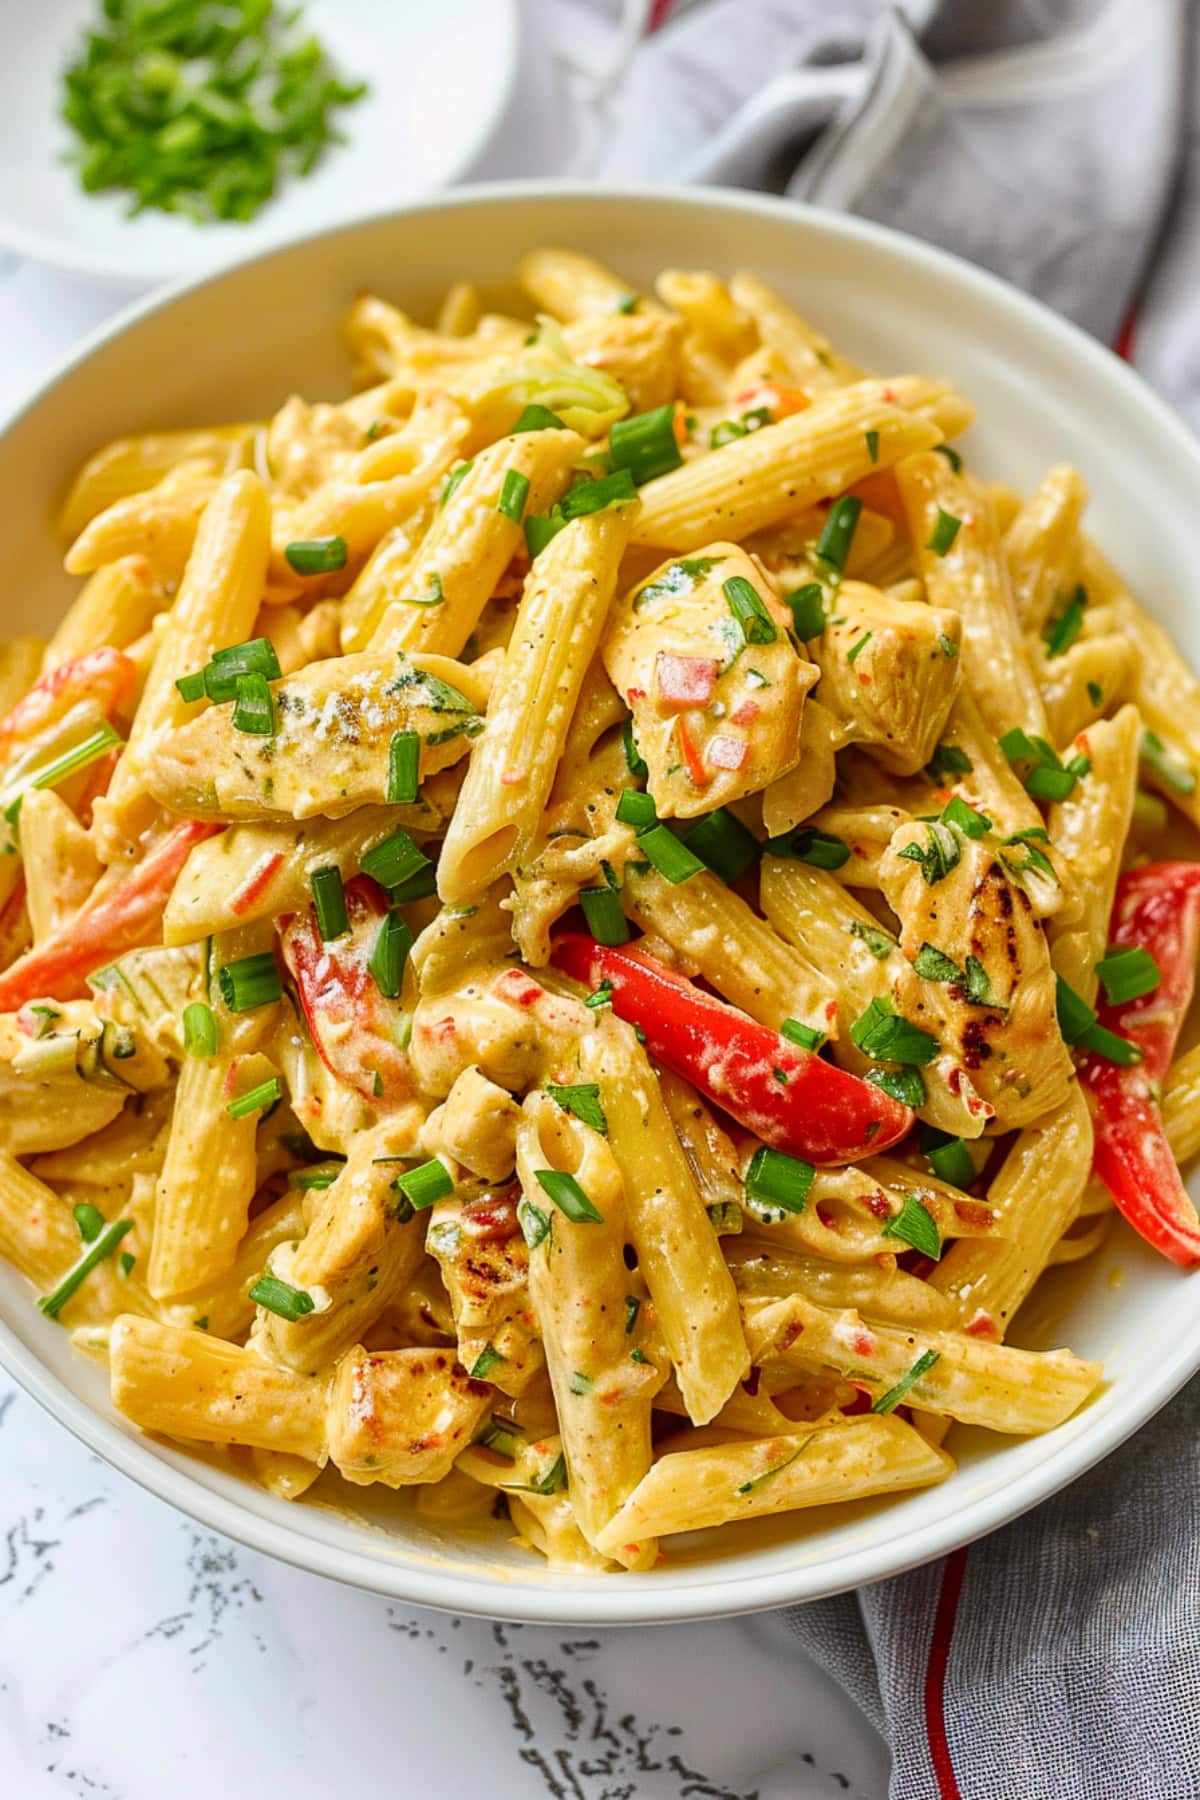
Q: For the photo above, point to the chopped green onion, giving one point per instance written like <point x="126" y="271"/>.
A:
<point x="89" y="1219"/>
<point x="514" y="492"/>
<point x="1095" y="693"/>
<point x="1167" y="764"/>
<point x="775" y="1179"/>
<point x="502" y="1436"/>
<point x="820" y="849"/>
<point x="601" y="998"/>
<point x="101" y="1246"/>
<point x="670" y="856"/>
<point x="485" y="1362"/>
<point x="725" y="1217"/>
<point x="47" y="1017"/>
<point x="320" y="1175"/>
<point x="96" y="744"/>
<point x="722" y="843"/>
<point x="433" y="595"/>
<point x="1127" y="974"/>
<point x="329" y="902"/>
<point x="552" y="1482"/>
<point x="939" y="854"/>
<point x="833" y="545"/>
<point x="394" y="860"/>
<point x="856" y="650"/>
<point x="404" y="768"/>
<point x="583" y="1099"/>
<point x="934" y="965"/>
<point x="806" y="1036"/>
<point x="884" y="1034"/>
<point x="251" y="981"/>
<point x="947" y="1156"/>
<point x="1049" y="784"/>
<point x="947" y="646"/>
<point x="1111" y="1047"/>
<point x="808" y="610"/>
<point x="317" y="556"/>
<point x="637" y="766"/>
<point x="915" y="1225"/>
<point x="389" y="956"/>
<point x="595" y="496"/>
<point x="904" y="1085"/>
<point x="281" y="1298"/>
<point x="428" y="1182"/>
<point x="126" y="1261"/>
<point x="1075" y="1016"/>
<point x="255" y="657"/>
<point x="636" y="809"/>
<point x="199" y="1029"/>
<point x="257" y="1099"/>
<point x="455" y="480"/>
<point x="191" y="687"/>
<point x="944" y="533"/>
<point x="948" y="759"/>
<point x="626" y="304"/>
<point x="1061" y="632"/>
<point x="534" y="1223"/>
<point x="887" y="1403"/>
<point x="726" y="432"/>
<point x="971" y="823"/>
<point x="568" y="1196"/>
<point x="581" y="1383"/>
<point x="202" y="111"/>
<point x="254" y="710"/>
<point x="757" y="1481"/>
<point x="633" y="1307"/>
<point x="1077" y="1022"/>
<point x="873" y="445"/>
<point x="605" y="919"/>
<point x="951" y="455"/>
<point x="879" y="942"/>
<point x="540" y="528"/>
<point x="538" y="418"/>
<point x="645" y="444"/>
<point x="418" y="887"/>
<point x="749" y="609"/>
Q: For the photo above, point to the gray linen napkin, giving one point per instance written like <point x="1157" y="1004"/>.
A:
<point x="1056" y="142"/>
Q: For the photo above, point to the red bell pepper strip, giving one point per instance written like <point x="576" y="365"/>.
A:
<point x="352" y="1025"/>
<point x="112" y="921"/>
<point x="106" y="676"/>
<point x="1158" y="908"/>
<point x="788" y="1097"/>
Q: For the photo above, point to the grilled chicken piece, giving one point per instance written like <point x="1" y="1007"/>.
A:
<point x="969" y="928"/>
<point x="485" y="1267"/>
<point x="890" y="670"/>
<point x="716" y="688"/>
<point x="329" y="751"/>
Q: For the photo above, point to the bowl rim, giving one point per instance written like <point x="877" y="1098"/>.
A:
<point x="635" y="1600"/>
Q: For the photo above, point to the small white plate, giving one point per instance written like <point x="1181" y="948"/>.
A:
<point x="440" y="81"/>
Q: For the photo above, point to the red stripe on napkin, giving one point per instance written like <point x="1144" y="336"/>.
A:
<point x="953" y="1571"/>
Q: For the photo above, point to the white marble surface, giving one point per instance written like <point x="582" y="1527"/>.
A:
<point x="141" y="1655"/>
<point x="137" y="1651"/>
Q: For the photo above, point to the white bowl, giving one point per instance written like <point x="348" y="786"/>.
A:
<point x="440" y="82"/>
<point x="234" y="346"/>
